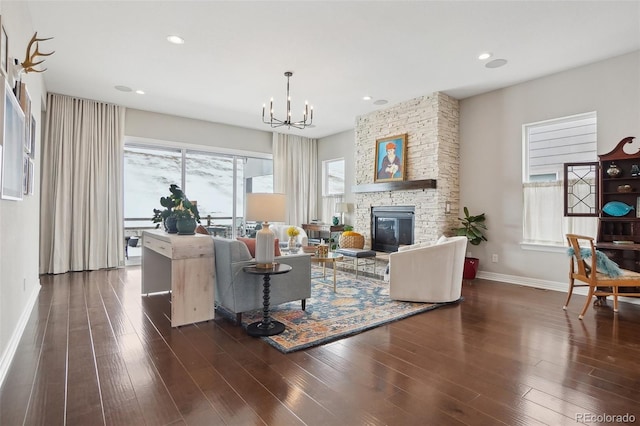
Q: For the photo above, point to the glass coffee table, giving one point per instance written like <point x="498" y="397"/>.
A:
<point x="332" y="258"/>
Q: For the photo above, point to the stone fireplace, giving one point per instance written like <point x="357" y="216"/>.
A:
<point x="431" y="125"/>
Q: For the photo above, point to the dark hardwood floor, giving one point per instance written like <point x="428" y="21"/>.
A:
<point x="96" y="352"/>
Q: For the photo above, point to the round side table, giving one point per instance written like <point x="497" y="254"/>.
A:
<point x="268" y="326"/>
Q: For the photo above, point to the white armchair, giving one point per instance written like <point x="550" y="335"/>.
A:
<point x="428" y="272"/>
<point x="281" y="234"/>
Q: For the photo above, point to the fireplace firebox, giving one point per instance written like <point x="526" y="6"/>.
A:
<point x="391" y="226"/>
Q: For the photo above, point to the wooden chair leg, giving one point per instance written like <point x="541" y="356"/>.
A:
<point x="615" y="299"/>
<point x="571" y="281"/>
<point x="588" y="302"/>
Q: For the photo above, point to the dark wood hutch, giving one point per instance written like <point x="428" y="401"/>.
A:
<point x="616" y="202"/>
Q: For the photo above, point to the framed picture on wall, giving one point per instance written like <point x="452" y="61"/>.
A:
<point x="31" y="183"/>
<point x="391" y="159"/>
<point x="25" y="104"/>
<point x="4" y="48"/>
<point x="32" y="136"/>
<point x="12" y="122"/>
<point x="25" y="174"/>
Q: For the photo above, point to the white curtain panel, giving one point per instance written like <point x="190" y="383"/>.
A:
<point x="295" y="173"/>
<point x="544" y="220"/>
<point x="82" y="188"/>
<point x="329" y="208"/>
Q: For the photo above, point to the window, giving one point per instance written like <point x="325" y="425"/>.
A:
<point x="144" y="185"/>
<point x="547" y="146"/>
<point x="333" y="177"/>
<point x="216" y="181"/>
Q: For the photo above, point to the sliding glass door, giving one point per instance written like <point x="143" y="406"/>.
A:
<point x="217" y="182"/>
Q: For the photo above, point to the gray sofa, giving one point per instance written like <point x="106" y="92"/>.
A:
<point x="237" y="291"/>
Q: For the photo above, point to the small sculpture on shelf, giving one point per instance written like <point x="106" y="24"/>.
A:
<point x="614" y="171"/>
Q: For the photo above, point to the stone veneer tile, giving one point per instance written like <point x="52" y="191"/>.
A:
<point x="432" y="126"/>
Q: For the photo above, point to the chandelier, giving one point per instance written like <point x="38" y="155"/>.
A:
<point x="307" y="114"/>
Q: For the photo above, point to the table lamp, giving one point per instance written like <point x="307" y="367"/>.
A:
<point x="342" y="208"/>
<point x="265" y="208"/>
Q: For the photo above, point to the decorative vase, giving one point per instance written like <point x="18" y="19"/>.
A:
<point x="614" y="171"/>
<point x="186" y="226"/>
<point x="292" y="243"/>
<point x="170" y="224"/>
<point x="470" y="268"/>
<point x="336" y="220"/>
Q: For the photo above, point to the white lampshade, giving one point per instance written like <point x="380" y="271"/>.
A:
<point x="342" y="208"/>
<point x="266" y="208"/>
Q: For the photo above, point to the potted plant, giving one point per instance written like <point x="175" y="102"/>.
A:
<point x="473" y="228"/>
<point x="176" y="200"/>
<point x="186" y="214"/>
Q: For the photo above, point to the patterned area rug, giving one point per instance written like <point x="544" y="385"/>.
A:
<point x="358" y="305"/>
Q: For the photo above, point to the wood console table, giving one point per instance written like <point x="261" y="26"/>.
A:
<point x="320" y="229"/>
<point x="184" y="265"/>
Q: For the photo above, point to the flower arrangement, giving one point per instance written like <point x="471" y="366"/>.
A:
<point x="292" y="231"/>
<point x="351" y="234"/>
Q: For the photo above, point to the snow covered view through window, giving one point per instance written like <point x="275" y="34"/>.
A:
<point x="148" y="172"/>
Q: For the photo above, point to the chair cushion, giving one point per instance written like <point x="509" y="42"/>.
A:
<point x="604" y="265"/>
<point x="442" y="239"/>
<point x="251" y="245"/>
<point x="354" y="252"/>
<point x="201" y="230"/>
<point x="415" y="246"/>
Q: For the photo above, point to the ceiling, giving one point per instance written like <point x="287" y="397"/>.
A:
<point x="236" y="52"/>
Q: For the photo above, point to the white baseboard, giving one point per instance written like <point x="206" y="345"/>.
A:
<point x="547" y="285"/>
<point x="10" y="351"/>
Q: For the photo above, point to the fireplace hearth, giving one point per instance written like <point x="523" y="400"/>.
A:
<point x="391" y="227"/>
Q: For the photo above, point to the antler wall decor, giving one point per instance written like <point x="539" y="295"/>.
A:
<point x="31" y="60"/>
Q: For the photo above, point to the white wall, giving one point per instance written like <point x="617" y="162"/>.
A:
<point x="340" y="145"/>
<point x="151" y="125"/>
<point x="491" y="152"/>
<point x="19" y="220"/>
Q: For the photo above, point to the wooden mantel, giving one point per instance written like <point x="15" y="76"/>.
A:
<point x="395" y="186"/>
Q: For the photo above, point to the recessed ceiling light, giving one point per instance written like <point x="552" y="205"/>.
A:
<point x="175" y="39"/>
<point x="366" y="98"/>
<point x="496" y="63"/>
<point x="123" y="88"/>
<point x="380" y="102"/>
<point x="485" y="55"/>
<point x="140" y="92"/>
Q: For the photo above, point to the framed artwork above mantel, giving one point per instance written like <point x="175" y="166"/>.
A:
<point x="391" y="159"/>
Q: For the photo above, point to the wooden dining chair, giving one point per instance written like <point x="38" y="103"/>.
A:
<point x="594" y="270"/>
